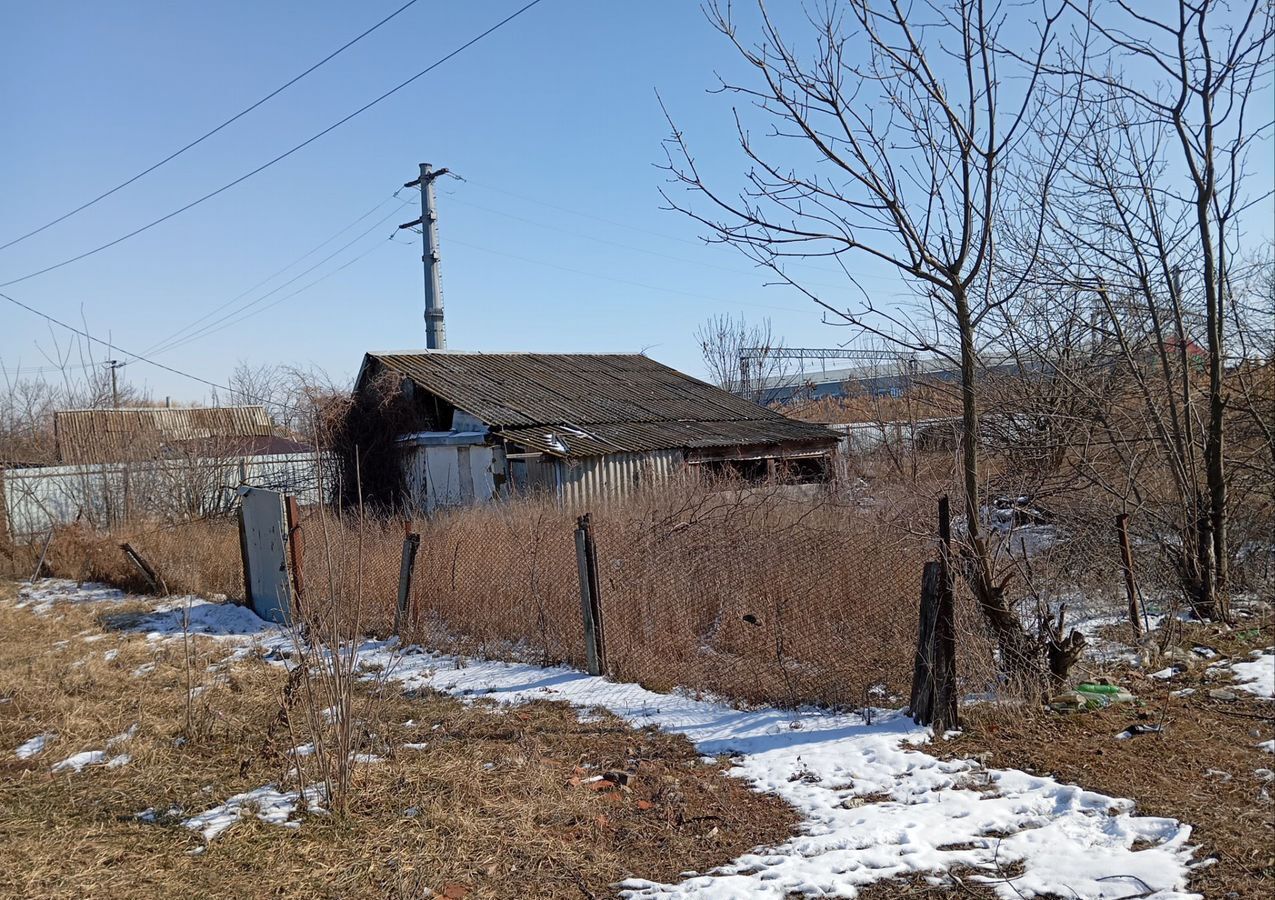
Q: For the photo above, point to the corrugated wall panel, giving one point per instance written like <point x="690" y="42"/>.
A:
<point x="38" y="498"/>
<point x="599" y="479"/>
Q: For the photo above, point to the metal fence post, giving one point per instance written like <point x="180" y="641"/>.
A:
<point x="411" y="543"/>
<point x="590" y="597"/>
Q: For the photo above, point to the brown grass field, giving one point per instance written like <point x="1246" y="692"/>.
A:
<point x="1202" y="768"/>
<point x="500" y="807"/>
<point x="760" y="596"/>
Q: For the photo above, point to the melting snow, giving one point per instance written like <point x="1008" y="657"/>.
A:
<point x="266" y="803"/>
<point x="41" y="596"/>
<point x="126" y="735"/>
<point x="1256" y="677"/>
<point x="874" y="805"/>
<point x="35" y="746"/>
<point x="80" y="760"/>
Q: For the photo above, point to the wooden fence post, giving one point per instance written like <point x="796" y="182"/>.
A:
<point x="933" y="700"/>
<point x="945" y="718"/>
<point x="921" y="704"/>
<point x="411" y="543"/>
<point x="39" y="566"/>
<point x="152" y="578"/>
<point x="590" y="597"/>
<point x="296" y="548"/>
<point x="1126" y="563"/>
<point x="243" y="557"/>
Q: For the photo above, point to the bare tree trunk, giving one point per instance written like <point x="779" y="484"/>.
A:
<point x="1214" y="447"/>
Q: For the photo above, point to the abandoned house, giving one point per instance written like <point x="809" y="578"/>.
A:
<point x="441" y="428"/>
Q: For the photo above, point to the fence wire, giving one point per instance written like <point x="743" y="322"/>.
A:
<point x="754" y="600"/>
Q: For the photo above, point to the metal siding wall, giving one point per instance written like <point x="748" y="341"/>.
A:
<point x="435" y="480"/>
<point x="37" y="498"/>
<point x="599" y="479"/>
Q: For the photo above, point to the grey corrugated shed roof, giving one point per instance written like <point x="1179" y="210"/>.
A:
<point x="112" y="435"/>
<point x="592" y="404"/>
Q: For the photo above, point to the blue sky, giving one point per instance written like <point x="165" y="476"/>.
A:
<point x="555" y="241"/>
<point x="552" y="117"/>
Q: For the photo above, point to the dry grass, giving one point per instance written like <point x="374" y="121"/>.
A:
<point x="201" y="557"/>
<point x="777" y="595"/>
<point x="1200" y="769"/>
<point x="500" y="809"/>
<point x="783" y="594"/>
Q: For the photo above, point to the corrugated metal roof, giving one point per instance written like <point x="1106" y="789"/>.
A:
<point x="590" y="404"/>
<point x="110" y="435"/>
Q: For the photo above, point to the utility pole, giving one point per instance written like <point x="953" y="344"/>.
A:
<point x="113" y="365"/>
<point x="435" y="330"/>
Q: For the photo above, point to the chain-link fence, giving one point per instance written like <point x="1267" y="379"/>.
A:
<point x="757" y="596"/>
<point x="760" y="606"/>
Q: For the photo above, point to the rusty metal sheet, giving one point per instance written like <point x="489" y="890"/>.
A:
<point x="115" y="435"/>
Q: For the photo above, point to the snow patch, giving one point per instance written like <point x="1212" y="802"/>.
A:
<point x="267" y="803"/>
<point x="1256" y="677"/>
<point x="43" y="595"/>
<point x="79" y="761"/>
<point x="124" y="736"/>
<point x="875" y="807"/>
<point x="35" y="746"/>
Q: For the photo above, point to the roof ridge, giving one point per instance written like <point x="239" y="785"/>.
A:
<point x="111" y="409"/>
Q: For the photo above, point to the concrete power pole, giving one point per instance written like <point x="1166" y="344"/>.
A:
<point x="114" y="365"/>
<point x="435" y="329"/>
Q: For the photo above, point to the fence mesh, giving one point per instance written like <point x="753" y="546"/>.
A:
<point x="743" y="606"/>
<point x="756" y="597"/>
<point x="775" y="596"/>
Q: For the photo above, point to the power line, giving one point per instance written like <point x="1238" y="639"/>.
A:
<point x="206" y="135"/>
<point x="175" y="371"/>
<point x="179" y="335"/>
<point x="119" y="349"/>
<point x="235" y="317"/>
<point x="21" y="370"/>
<point x="630" y="227"/>
<point x="345" y="265"/>
<point x="650" y="287"/>
<point x="632" y="249"/>
<point x="281" y="156"/>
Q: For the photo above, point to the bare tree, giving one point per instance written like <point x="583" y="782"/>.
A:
<point x="1151" y="226"/>
<point x="904" y="138"/>
<point x="739" y="355"/>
